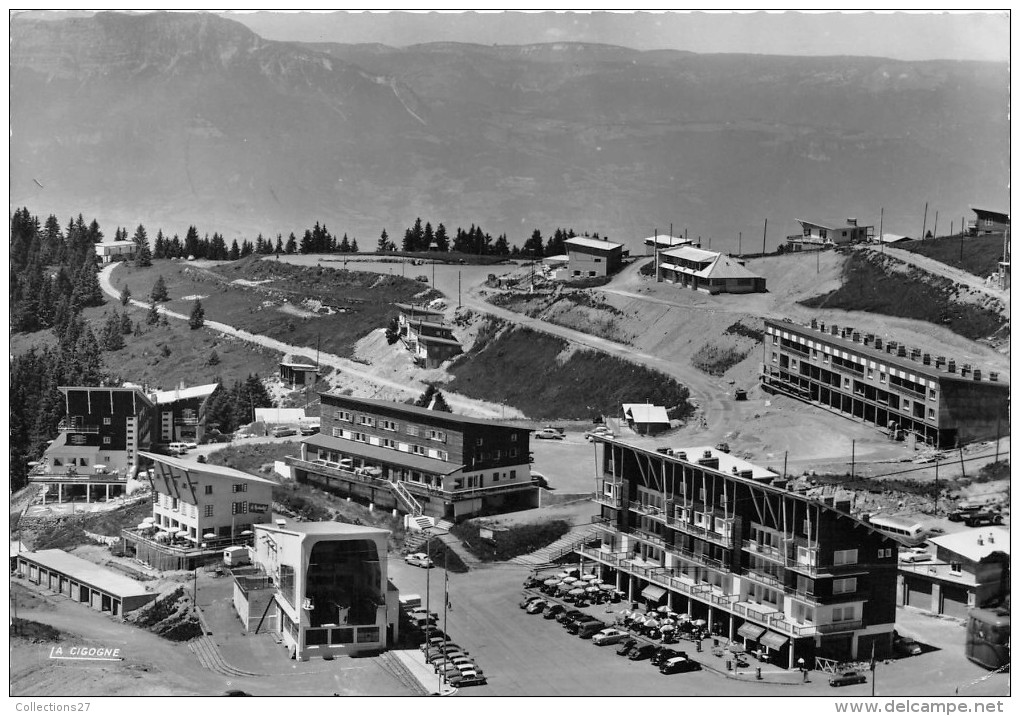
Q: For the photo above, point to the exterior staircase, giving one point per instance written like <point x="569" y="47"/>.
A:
<point x="405" y="498"/>
<point x="576" y="537"/>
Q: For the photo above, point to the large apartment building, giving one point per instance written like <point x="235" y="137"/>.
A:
<point x="896" y="388"/>
<point x="720" y="539"/>
<point x="419" y="461"/>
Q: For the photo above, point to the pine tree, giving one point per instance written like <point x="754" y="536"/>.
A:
<point x="126" y="327"/>
<point x="152" y="317"/>
<point x="533" y="246"/>
<point x="279" y="244"/>
<point x="235" y="252"/>
<point x="442" y="240"/>
<point x="306" y="242"/>
<point x="160" y="246"/>
<point x="384" y="242"/>
<point x="143" y="256"/>
<point x="501" y="247"/>
<point x="159" y="292"/>
<point x="191" y="243"/>
<point x="214" y="358"/>
<point x="113" y="336"/>
<point x="354" y="246"/>
<point x="197" y="317"/>
<point x="427" y="238"/>
<point x="345" y="245"/>
<point x="433" y="399"/>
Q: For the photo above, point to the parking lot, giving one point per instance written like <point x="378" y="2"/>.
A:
<point x="526" y="655"/>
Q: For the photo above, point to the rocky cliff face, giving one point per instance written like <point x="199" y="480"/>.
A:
<point x="174" y="119"/>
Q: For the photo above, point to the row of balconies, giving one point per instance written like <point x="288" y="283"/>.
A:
<point x="668" y="579"/>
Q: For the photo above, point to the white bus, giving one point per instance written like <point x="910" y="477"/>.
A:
<point x="906" y="531"/>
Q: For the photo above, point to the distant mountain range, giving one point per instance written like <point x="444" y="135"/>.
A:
<point x="174" y="119"/>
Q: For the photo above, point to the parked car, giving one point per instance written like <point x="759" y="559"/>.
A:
<point x="678" y="665"/>
<point x="915" y="554"/>
<point x="601" y="431"/>
<point x="587" y="630"/>
<point x="640" y="653"/>
<point x="740" y="394"/>
<point x="536" y="606"/>
<point x="419" y="559"/>
<point x="625" y="647"/>
<point x="283" y="432"/>
<point x="664" y="653"/>
<point x="526" y="602"/>
<point x="961" y="512"/>
<point x="609" y="636"/>
<point x="906" y="646"/>
<point x="533" y="582"/>
<point x="553" y="610"/>
<point x="466" y="678"/>
<point x="548" y="434"/>
<point x="539" y="479"/>
<point x="575" y="626"/>
<point x="847" y="678"/>
<point x="569" y="615"/>
<point x="445" y="648"/>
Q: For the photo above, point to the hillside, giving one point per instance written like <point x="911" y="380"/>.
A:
<point x="200" y="121"/>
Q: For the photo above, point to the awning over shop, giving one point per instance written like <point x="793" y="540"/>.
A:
<point x="773" y="640"/>
<point x="653" y="592"/>
<point x="750" y="631"/>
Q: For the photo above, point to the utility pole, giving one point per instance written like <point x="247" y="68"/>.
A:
<point x="853" y="457"/>
<point x="428" y="591"/>
<point x="740" y="242"/>
<point x="935" y="230"/>
<point x="785" y="455"/>
<point x="764" y="233"/>
<point x="924" y="225"/>
<point x="962" y="468"/>
<point x="458" y="289"/>
<point x="881" y="228"/>
<point x="433" y="274"/>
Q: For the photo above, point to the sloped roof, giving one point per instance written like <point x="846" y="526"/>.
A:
<point x="203" y="468"/>
<point x="196" y="391"/>
<point x="414" y="410"/>
<point x="980" y="210"/>
<point x="90" y="573"/>
<point x="888" y="238"/>
<point x="725" y="267"/>
<point x="667" y="240"/>
<point x="582" y="242"/>
<point x="690" y="253"/>
<point x="832" y="225"/>
<point x="645" y="413"/>
<point x="114" y="244"/>
<point x="965" y="543"/>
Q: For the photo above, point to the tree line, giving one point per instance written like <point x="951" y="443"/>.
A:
<point x="422" y="237"/>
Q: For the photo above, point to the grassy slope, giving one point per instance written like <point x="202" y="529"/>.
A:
<point x="869" y="286"/>
<point x="362" y="301"/>
<point x="978" y="255"/>
<point x="520" y="368"/>
<point x="143" y="359"/>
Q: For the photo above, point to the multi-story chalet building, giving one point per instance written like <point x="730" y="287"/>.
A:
<point x="298" y="372"/>
<point x="865" y="378"/>
<point x="588" y="258"/>
<point x="707" y="271"/>
<point x="817" y="235"/>
<point x="181" y="413"/>
<point x="322" y="587"/>
<point x="97" y="442"/>
<point x="416" y="460"/>
<point x="430" y="342"/>
<point x="720" y="539"/>
<point x="110" y="251"/>
<point x="197" y="509"/>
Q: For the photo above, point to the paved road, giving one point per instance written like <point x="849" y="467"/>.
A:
<point x="349" y="368"/>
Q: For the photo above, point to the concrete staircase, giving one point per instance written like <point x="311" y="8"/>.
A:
<point x="576" y="537"/>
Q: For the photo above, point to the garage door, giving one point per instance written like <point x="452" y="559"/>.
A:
<point x="919" y="593"/>
<point x="954" y="601"/>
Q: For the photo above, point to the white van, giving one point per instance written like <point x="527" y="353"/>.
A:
<point x="178" y="448"/>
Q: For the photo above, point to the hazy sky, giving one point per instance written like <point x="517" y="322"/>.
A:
<point x="906" y="36"/>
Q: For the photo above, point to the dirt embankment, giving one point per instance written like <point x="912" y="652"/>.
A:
<point x="171" y="615"/>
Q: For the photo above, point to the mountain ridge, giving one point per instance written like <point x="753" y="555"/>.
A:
<point x="170" y="119"/>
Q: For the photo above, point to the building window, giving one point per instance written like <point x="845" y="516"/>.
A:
<point x="360" y="437"/>
<point x="881" y="377"/>
<point x="805" y="556"/>
<point x="366" y="420"/>
<point x="107" y="421"/>
<point x="390" y="425"/>
<point x="240" y="487"/>
<point x="478" y="442"/>
<point x="844" y="556"/>
<point x="238" y="508"/>
<point x="513" y="474"/>
<point x="419" y="450"/>
<point x="338" y="433"/>
<point x="368" y="635"/>
<point x="437" y="435"/>
<point x="775" y="340"/>
<point x="931" y="413"/>
<point x="955" y="567"/>
<point x="843" y="614"/>
<point x="513" y="452"/>
<point x="931" y="394"/>
<point x="775" y="357"/>
<point x="844" y="586"/>
<point x="513" y="437"/>
<point x="412" y="430"/>
<point x="208" y="489"/>
<point x="343" y="415"/>
<point x="846" y="382"/>
<point x="883" y="553"/>
<point x="495" y="477"/>
<point x="388" y="443"/>
<point x="209" y="510"/>
<point x="443" y="455"/>
<point x="106" y="441"/>
<point x="871" y="374"/>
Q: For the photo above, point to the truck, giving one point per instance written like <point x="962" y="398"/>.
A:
<point x="982" y="517"/>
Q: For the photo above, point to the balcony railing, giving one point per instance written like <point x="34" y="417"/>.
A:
<point x="839" y="626"/>
<point x="611" y="558"/>
<point x="608" y="500"/>
<point x="725" y="540"/>
<point x="763" y="577"/>
<point x="765" y="550"/>
<point x="187" y="547"/>
<point x="644" y="535"/>
<point x="701" y="558"/>
<point x="73" y="426"/>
